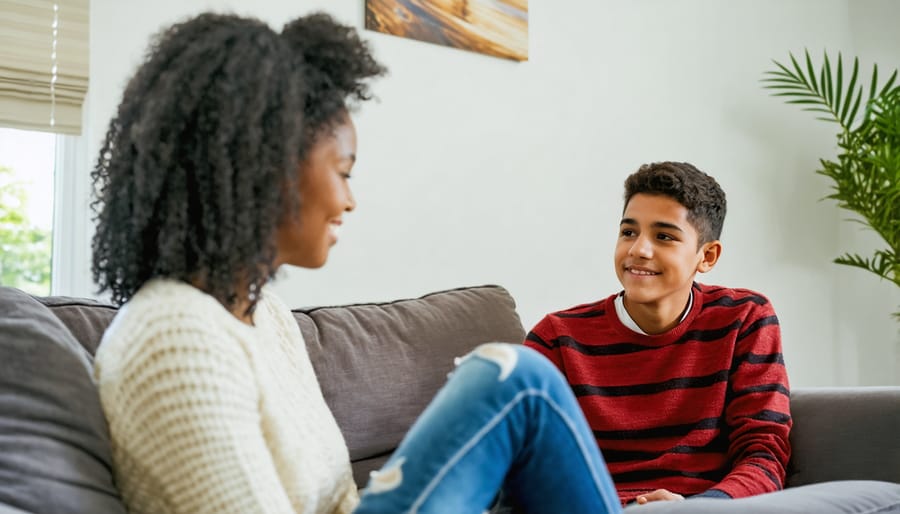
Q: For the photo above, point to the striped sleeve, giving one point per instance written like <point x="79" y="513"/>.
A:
<point x="758" y="408"/>
<point x="543" y="339"/>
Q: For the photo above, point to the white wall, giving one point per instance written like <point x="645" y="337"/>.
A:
<point x="478" y="170"/>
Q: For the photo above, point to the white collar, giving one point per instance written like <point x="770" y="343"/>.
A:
<point x="626" y="319"/>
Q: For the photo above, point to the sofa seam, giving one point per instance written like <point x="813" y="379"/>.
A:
<point x="310" y="310"/>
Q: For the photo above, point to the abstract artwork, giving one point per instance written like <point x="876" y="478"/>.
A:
<point x="493" y="27"/>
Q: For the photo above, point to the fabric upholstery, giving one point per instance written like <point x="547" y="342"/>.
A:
<point x="86" y="319"/>
<point x="839" y="497"/>
<point x="54" y="444"/>
<point x="380" y="364"/>
<point x="830" y="424"/>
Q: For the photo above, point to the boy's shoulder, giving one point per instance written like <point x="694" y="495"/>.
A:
<point x="733" y="307"/>
<point x="716" y="295"/>
<point x="585" y="310"/>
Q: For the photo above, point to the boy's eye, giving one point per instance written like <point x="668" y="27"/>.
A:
<point x="665" y="237"/>
<point x="626" y="232"/>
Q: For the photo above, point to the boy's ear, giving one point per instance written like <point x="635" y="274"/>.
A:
<point x="711" y="252"/>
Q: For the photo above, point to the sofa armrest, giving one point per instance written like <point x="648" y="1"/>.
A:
<point x="845" y="433"/>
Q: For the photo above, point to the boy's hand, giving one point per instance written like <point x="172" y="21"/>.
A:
<point x="658" y="495"/>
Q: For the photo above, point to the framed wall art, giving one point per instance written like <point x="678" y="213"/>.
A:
<point x="492" y="27"/>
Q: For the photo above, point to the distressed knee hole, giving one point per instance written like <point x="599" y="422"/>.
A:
<point x="502" y="355"/>
<point x="386" y="479"/>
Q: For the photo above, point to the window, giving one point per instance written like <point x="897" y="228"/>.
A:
<point x="44" y="242"/>
<point x="26" y="209"/>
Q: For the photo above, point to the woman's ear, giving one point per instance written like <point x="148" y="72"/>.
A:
<point x="711" y="252"/>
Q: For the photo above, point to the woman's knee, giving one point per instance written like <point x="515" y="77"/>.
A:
<point x="518" y="360"/>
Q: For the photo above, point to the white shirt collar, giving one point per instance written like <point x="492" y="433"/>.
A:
<point x="626" y="319"/>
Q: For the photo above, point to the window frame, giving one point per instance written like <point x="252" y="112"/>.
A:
<point x="70" y="260"/>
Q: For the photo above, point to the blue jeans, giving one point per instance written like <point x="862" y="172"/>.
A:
<point x="506" y="419"/>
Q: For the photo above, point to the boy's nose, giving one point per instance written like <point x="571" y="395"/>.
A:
<point x="641" y="248"/>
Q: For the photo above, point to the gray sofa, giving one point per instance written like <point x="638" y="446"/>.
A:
<point x="378" y="364"/>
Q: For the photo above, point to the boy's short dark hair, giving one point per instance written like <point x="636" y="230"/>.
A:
<point x="699" y="193"/>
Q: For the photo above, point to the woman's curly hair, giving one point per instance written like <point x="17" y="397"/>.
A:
<point x="698" y="192"/>
<point x="200" y="162"/>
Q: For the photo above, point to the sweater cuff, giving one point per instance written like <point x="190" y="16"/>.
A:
<point x="713" y="493"/>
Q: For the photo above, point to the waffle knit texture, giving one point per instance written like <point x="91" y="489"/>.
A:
<point x="704" y="406"/>
<point x="208" y="414"/>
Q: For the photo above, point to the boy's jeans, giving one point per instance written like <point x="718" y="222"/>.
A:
<point x="506" y="418"/>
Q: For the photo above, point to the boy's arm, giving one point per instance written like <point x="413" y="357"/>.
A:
<point x="757" y="410"/>
<point x="543" y="339"/>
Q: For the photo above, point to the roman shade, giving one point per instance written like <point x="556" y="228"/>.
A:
<point x="43" y="64"/>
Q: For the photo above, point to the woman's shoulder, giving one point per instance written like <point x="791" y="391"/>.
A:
<point x="163" y="319"/>
<point x="170" y="302"/>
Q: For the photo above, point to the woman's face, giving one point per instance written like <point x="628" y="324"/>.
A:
<point x="305" y="237"/>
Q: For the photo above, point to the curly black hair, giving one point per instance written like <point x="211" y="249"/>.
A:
<point x="199" y="164"/>
<point x="698" y="192"/>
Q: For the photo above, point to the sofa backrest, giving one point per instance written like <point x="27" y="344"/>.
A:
<point x="844" y="433"/>
<point x="379" y="364"/>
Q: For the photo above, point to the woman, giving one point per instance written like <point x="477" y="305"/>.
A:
<point x="229" y="157"/>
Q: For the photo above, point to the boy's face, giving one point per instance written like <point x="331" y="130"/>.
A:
<point x="657" y="254"/>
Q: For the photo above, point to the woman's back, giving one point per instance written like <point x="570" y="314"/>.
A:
<point x="209" y="414"/>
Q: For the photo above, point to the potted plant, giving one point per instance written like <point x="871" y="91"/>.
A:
<point x="866" y="170"/>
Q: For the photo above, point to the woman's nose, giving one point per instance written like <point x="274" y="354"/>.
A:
<point x="351" y="200"/>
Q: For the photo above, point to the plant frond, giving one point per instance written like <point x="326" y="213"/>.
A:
<point x="873" y="85"/>
<point x="855" y="108"/>
<point x="865" y="174"/>
<point x="838" y="89"/>
<point x="888" y="84"/>
<point x="809" y="68"/>
<point x="845" y="121"/>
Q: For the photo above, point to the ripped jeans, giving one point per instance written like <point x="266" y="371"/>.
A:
<point x="506" y="419"/>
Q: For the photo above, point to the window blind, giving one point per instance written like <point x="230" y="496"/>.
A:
<point x="43" y="64"/>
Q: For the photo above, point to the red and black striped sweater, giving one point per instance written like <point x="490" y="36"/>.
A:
<point x="703" y="406"/>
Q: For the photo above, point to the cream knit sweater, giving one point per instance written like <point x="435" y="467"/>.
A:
<point x="208" y="414"/>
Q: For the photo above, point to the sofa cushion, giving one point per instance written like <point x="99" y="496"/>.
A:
<point x="86" y="319"/>
<point x="54" y="445"/>
<point x="839" y="497"/>
<point x="379" y="364"/>
<point x="847" y="433"/>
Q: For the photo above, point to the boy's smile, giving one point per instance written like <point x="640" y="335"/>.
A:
<point x="656" y="258"/>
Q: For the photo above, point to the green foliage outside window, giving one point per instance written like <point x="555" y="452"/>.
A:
<point x="24" y="249"/>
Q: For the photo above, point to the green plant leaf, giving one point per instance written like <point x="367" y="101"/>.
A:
<point x="845" y="121"/>
<point x="888" y="84"/>
<point x="809" y="67"/>
<point x="855" y="108"/>
<point x="838" y="87"/>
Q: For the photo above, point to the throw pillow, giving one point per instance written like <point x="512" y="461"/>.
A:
<point x="54" y="444"/>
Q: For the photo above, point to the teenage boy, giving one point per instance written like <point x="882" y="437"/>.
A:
<point x="683" y="384"/>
